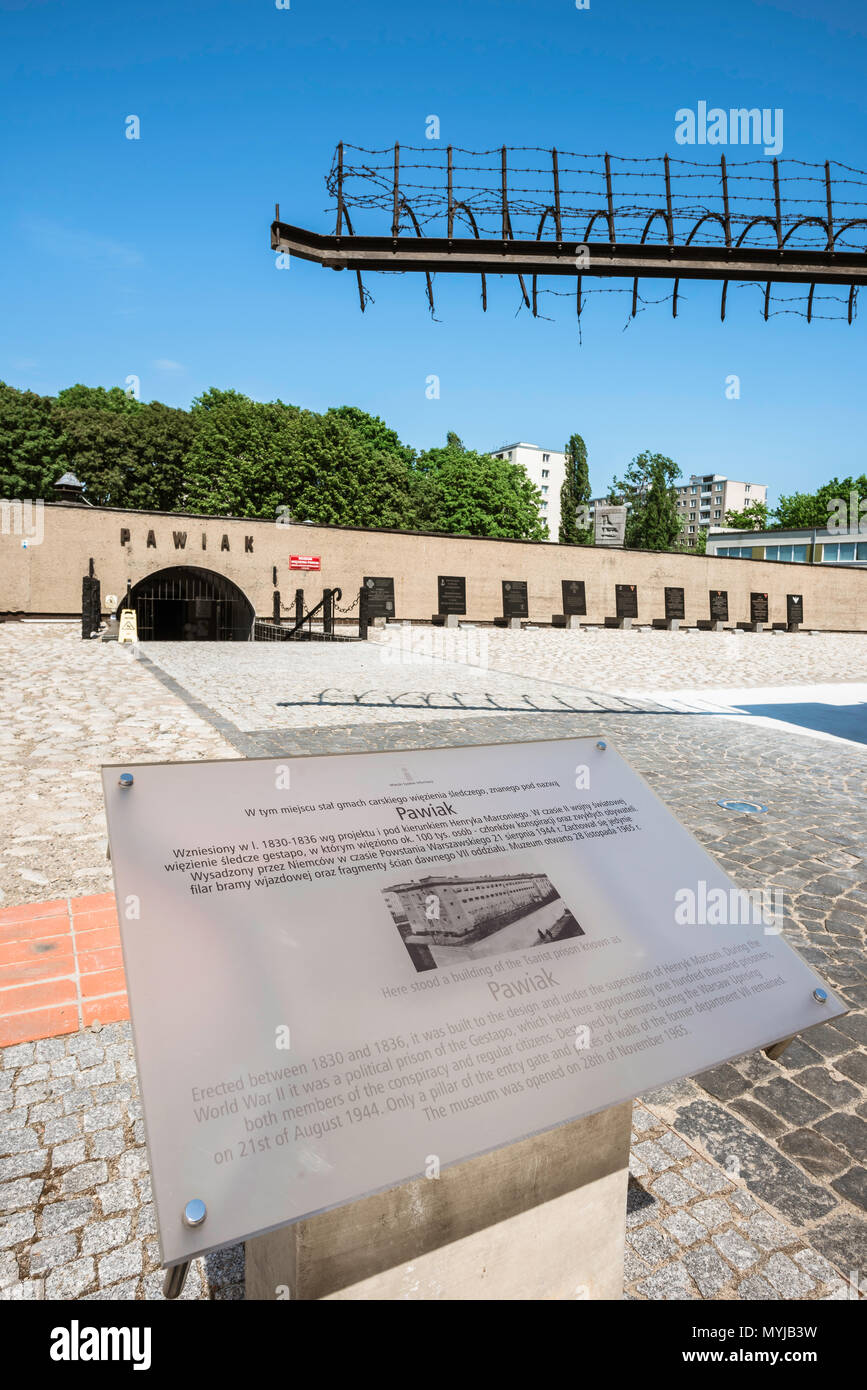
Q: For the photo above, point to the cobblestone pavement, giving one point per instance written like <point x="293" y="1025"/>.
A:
<point x="69" y="706"/>
<point x="747" y="1182"/>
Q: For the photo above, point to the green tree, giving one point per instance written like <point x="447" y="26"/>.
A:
<point x="575" y="494"/>
<point x="33" y="452"/>
<point x="383" y="441"/>
<point x="754" y="517"/>
<point x="647" y="486"/>
<point x="249" y="459"/>
<point x="80" y="397"/>
<point x="701" y="542"/>
<point x="808" y="509"/>
<point x="465" y="493"/>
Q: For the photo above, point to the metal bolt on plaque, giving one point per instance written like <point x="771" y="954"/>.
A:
<point x="125" y="779"/>
<point x="602" y="744"/>
<point x="820" y="996"/>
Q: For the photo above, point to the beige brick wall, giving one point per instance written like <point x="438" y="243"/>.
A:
<point x="46" y="578"/>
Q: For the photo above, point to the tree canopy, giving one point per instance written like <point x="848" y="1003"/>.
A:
<point x="230" y="455"/>
<point x="653" y="522"/>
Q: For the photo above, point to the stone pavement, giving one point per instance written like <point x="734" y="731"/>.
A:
<point x="748" y="1181"/>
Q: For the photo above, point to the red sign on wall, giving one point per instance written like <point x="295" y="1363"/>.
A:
<point x="304" y="562"/>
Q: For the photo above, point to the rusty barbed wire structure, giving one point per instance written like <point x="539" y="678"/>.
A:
<point x="532" y="212"/>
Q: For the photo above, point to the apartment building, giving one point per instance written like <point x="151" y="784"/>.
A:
<point x="704" y="499"/>
<point x="547" y="469"/>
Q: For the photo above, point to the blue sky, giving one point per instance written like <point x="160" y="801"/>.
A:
<point x="152" y="258"/>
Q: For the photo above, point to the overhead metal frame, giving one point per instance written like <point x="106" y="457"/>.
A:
<point x="674" y="259"/>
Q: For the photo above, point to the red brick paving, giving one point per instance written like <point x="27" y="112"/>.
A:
<point x="60" y="968"/>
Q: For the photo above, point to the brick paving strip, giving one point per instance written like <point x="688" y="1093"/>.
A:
<point x="746" y="1183"/>
<point x="60" y="968"/>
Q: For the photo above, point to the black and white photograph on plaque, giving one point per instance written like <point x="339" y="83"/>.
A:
<point x="448" y="919"/>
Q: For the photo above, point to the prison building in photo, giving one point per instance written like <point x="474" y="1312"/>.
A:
<point x="452" y="911"/>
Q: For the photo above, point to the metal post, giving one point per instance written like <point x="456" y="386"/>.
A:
<point x="363" y="617"/>
<point x="339" y="188"/>
<point x="327" y="614"/>
<point x="176" y="1277"/>
<point x="395" y="216"/>
<point x="451" y="192"/>
<point x="726" y="209"/>
<point x="610" y="192"/>
<point x="275" y="613"/>
<point x="779" y="211"/>
<point x="669" y="217"/>
<point x="299" y="607"/>
<point x="557" y="198"/>
<point x="829" y="205"/>
<point x="504" y="197"/>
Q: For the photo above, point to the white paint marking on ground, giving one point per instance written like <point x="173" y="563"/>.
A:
<point x="739" y="703"/>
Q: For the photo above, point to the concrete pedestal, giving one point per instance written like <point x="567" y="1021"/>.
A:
<point x="618" y="622"/>
<point x="666" y="624"/>
<point x="541" y="1219"/>
<point x="568" y="620"/>
<point x="445" y="620"/>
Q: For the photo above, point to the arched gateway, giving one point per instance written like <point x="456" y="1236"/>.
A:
<point x="185" y="603"/>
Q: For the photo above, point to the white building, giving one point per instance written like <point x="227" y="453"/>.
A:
<point x="703" y="500"/>
<point x="547" y="469"/>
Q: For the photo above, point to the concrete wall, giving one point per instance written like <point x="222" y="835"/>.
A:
<point x="46" y="578"/>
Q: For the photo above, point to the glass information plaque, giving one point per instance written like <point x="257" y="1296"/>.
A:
<point x="348" y="971"/>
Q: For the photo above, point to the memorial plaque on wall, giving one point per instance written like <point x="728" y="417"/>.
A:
<point x="380" y="597"/>
<point x="758" y="608"/>
<point x="322" y="995"/>
<point x="609" y="525"/>
<point x="515" y="598"/>
<point x="719" y="605"/>
<point x="674" y="603"/>
<point x="794" y="608"/>
<point x="626" y="600"/>
<point x="574" y="600"/>
<point x="452" y="594"/>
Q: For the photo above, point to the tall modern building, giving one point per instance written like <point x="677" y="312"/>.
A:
<point x="547" y="469"/>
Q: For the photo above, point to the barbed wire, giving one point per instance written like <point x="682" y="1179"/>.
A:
<point x="535" y="193"/>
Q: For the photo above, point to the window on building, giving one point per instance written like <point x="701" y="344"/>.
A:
<point x="746" y="487"/>
<point x="716" y="514"/>
<point x="544" y="487"/>
<point x="693" y="489"/>
<point x="544" y="472"/>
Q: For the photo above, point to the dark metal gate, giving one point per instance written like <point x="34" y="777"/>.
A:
<point x="188" y="604"/>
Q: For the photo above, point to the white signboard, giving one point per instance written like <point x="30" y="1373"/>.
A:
<point x="348" y="971"/>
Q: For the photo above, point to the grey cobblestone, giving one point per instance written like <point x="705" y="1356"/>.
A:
<point x="709" y="1271"/>
<point x="85" y="1176"/>
<point x="785" y="1276"/>
<point x="70" y="1280"/>
<point x="736" y="1250"/>
<point x="121" y="1264"/>
<point x="24" y="1192"/>
<point x="53" y="1251"/>
<point x="119" y="1195"/>
<point x="66" y="1216"/>
<point x="67" y="1155"/>
<point x="105" y="1235"/>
